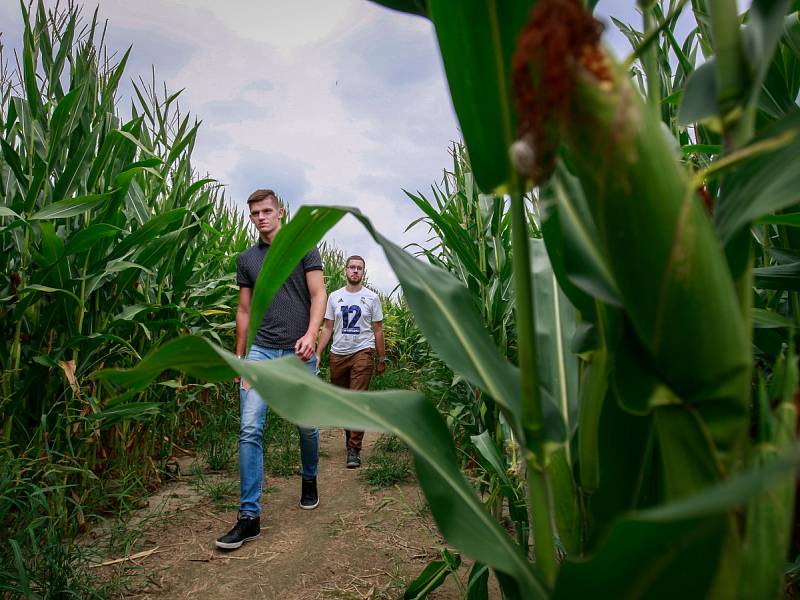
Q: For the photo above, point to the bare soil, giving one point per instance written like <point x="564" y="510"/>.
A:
<point x="359" y="543"/>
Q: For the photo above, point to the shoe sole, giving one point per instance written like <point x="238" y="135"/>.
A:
<point x="235" y="545"/>
<point x="353" y="465"/>
<point x="310" y="507"/>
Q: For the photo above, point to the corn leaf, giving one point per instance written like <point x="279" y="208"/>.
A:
<point x="441" y="305"/>
<point x="571" y="238"/>
<point x="787" y="219"/>
<point x="778" y="277"/>
<point x="770" y="513"/>
<point x="763" y="184"/>
<point x="764" y="29"/>
<point x="477" y="40"/>
<point x="555" y="325"/>
<point x="63" y="120"/>
<point x="84" y="239"/>
<point x="45" y="289"/>
<point x="414" y="7"/>
<point x="72" y="206"/>
<point x="7" y="212"/>
<point x="664" y="552"/>
<point x="767" y="319"/>
<point x="299" y="396"/>
<point x="293" y="241"/>
<point x="433" y="576"/>
<point x="478" y="583"/>
<point x="13" y="161"/>
<point x="699" y="100"/>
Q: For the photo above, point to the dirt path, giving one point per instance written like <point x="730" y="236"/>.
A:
<point x="358" y="544"/>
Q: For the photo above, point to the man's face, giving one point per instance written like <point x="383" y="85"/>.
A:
<point x="265" y="215"/>
<point x="354" y="272"/>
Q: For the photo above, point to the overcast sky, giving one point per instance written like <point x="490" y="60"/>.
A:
<point x="325" y="101"/>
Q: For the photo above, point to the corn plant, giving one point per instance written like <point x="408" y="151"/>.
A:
<point x="471" y="238"/>
<point x="680" y="483"/>
<point x="110" y="243"/>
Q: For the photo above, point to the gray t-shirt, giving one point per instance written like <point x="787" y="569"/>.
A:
<point x="287" y="318"/>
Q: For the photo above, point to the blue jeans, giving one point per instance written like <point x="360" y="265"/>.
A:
<point x="253" y="412"/>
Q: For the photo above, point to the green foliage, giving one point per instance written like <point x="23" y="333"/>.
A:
<point x="433" y="576"/>
<point x="382" y="470"/>
<point x="472" y="232"/>
<point x="672" y="436"/>
<point x="388" y="444"/>
<point x="333" y="259"/>
<point x="281" y="447"/>
<point x="110" y="242"/>
<point x="303" y="398"/>
<point x="218" y="436"/>
<point x="406" y="346"/>
<point x="387" y="464"/>
<point x="50" y="568"/>
<point x="222" y="492"/>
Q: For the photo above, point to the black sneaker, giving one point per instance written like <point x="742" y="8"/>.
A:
<point x="309" y="499"/>
<point x="246" y="529"/>
<point x="353" y="458"/>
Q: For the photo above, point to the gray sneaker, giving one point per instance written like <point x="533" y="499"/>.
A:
<point x="353" y="458"/>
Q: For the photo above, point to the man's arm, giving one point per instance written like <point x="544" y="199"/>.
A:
<point x="380" y="346"/>
<point x="324" y="338"/>
<point x="304" y="347"/>
<point x="243" y="321"/>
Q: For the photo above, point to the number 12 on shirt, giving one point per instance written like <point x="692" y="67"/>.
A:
<point x="348" y="325"/>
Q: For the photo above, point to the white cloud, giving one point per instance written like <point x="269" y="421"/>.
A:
<point x="327" y="102"/>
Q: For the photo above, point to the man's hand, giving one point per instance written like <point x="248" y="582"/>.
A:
<point x="381" y="367"/>
<point x="319" y="359"/>
<point x="304" y="347"/>
<point x="239" y="380"/>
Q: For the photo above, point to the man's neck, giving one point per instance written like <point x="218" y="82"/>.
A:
<point x="353" y="289"/>
<point x="267" y="237"/>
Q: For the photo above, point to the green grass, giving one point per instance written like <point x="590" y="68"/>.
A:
<point x="218" y="438"/>
<point x="222" y="492"/>
<point x="396" y="377"/>
<point x="281" y="447"/>
<point x="45" y="566"/>
<point x="388" y="443"/>
<point x="388" y="464"/>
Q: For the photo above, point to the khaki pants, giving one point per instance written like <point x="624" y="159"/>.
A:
<point x="352" y="371"/>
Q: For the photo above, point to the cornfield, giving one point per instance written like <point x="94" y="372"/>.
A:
<point x="611" y="289"/>
<point x="111" y="243"/>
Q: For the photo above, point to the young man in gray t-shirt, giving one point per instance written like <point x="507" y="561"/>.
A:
<point x="290" y="326"/>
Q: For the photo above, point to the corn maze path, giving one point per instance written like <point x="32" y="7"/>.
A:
<point x="360" y="543"/>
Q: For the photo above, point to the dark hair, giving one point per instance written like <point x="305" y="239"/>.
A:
<point x="354" y="257"/>
<point x="260" y="195"/>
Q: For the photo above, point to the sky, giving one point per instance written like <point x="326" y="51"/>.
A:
<point x="325" y="101"/>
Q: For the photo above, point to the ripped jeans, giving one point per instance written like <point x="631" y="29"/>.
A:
<point x="253" y="411"/>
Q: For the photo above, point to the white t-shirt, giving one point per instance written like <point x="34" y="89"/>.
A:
<point x="353" y="314"/>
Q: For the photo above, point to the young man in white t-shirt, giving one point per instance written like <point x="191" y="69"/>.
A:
<point x="354" y="318"/>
